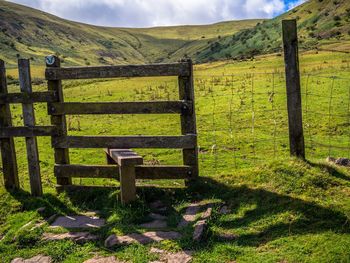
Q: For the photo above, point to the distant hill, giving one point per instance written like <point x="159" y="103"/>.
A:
<point x="27" y="32"/>
<point x="323" y="24"/>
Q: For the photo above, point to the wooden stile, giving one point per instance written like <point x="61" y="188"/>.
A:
<point x="296" y="134"/>
<point x="29" y="121"/>
<point x="61" y="154"/>
<point x="9" y="132"/>
<point x="44" y="96"/>
<point x="7" y="145"/>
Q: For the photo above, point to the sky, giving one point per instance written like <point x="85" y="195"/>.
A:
<point x="148" y="13"/>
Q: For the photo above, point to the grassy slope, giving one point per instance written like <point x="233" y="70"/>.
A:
<point x="322" y="24"/>
<point x="283" y="210"/>
<point x="32" y="33"/>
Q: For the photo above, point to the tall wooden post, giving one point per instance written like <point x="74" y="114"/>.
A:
<point x="188" y="119"/>
<point x="290" y="43"/>
<point x="7" y="145"/>
<point x="61" y="155"/>
<point x="29" y="121"/>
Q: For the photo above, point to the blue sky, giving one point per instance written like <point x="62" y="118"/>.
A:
<point x="147" y="13"/>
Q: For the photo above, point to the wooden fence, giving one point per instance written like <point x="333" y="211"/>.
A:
<point x="61" y="142"/>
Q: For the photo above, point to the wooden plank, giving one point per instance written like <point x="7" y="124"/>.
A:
<point x="163" y="172"/>
<point x="127" y="183"/>
<point x="83" y="188"/>
<point x="290" y="43"/>
<point x="188" y="119"/>
<point x="154" y="107"/>
<point x="172" y="142"/>
<point x="61" y="154"/>
<point x="28" y="131"/>
<point x="29" y="120"/>
<point x="45" y="96"/>
<point x="7" y="145"/>
<point x="125" y="157"/>
<point x="86" y="171"/>
<point x="154" y="70"/>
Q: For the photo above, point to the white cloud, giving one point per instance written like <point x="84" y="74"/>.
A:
<point x="144" y="13"/>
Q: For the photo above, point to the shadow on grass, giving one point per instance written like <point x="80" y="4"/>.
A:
<point x="332" y="170"/>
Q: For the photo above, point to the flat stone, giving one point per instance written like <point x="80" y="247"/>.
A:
<point x="224" y="210"/>
<point x="178" y="257"/>
<point x="144" y="238"/>
<point x="199" y="230"/>
<point x="207" y="213"/>
<point x="227" y="236"/>
<point x="111" y="259"/>
<point x="36" y="259"/>
<point x="158" y="206"/>
<point x="79" y="237"/>
<point x="190" y="214"/>
<point x="155" y="224"/>
<point x="156" y="216"/>
<point x="80" y="221"/>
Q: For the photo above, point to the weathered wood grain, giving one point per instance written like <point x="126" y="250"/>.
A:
<point x="125" y="157"/>
<point x="188" y="119"/>
<point x="172" y="142"/>
<point x="163" y="172"/>
<point x="45" y="96"/>
<point x="61" y="154"/>
<point x="25" y="84"/>
<point x="8" y="153"/>
<point x="155" y="107"/>
<point x="9" y="132"/>
<point x="154" y="70"/>
<point x="87" y="171"/>
<point x="290" y="43"/>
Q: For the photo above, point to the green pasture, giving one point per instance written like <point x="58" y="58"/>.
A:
<point x="283" y="210"/>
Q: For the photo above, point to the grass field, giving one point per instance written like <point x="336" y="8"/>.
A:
<point x="283" y="210"/>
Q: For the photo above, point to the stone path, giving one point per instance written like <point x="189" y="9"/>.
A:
<point x="168" y="257"/>
<point x="79" y="221"/>
<point x="36" y="259"/>
<point x="190" y="214"/>
<point x="79" y="237"/>
<point x="155" y="224"/>
<point x="144" y="238"/>
<point x="111" y="259"/>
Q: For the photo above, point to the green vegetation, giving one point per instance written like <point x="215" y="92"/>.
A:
<point x="282" y="209"/>
<point x="26" y="32"/>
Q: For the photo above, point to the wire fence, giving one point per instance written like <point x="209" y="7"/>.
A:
<point x="242" y="120"/>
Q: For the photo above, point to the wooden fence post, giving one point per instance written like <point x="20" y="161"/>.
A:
<point x="188" y="119"/>
<point x="61" y="155"/>
<point x="290" y="43"/>
<point x="25" y="83"/>
<point x="7" y="145"/>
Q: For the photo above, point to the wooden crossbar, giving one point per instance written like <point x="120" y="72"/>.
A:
<point x="156" y="107"/>
<point x="27" y="131"/>
<point x="154" y="70"/>
<point x="172" y="142"/>
<point x="25" y="97"/>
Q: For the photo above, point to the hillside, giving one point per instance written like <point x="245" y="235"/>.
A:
<point x="322" y="24"/>
<point x="28" y="32"/>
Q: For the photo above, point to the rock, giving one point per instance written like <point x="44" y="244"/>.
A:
<point x="79" y="237"/>
<point x="41" y="210"/>
<point x="155" y="224"/>
<point x="156" y="216"/>
<point x="227" y="236"/>
<point x="331" y="159"/>
<point x="144" y="238"/>
<point x="343" y="162"/>
<point x="190" y="214"/>
<point x="199" y="230"/>
<point x="80" y="221"/>
<point x="36" y="259"/>
<point x="179" y="257"/>
<point x="207" y="213"/>
<point x="224" y="210"/>
<point x="111" y="259"/>
<point x="158" y="206"/>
